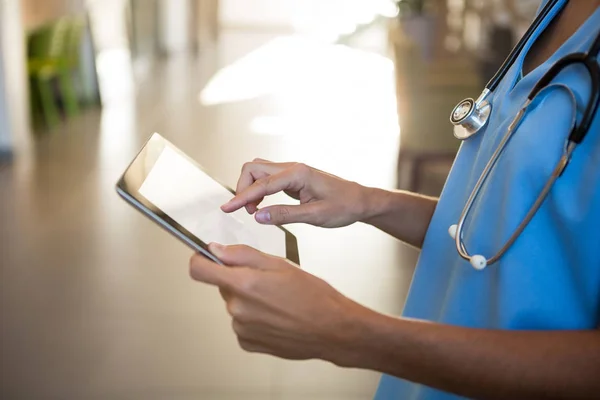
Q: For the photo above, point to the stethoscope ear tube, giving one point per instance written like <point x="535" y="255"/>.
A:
<point x="580" y="130"/>
<point x="557" y="68"/>
<point x="512" y="57"/>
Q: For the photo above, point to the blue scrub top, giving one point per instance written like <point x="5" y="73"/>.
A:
<point x="550" y="278"/>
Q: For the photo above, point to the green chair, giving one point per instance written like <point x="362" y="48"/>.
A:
<point x="53" y="55"/>
<point x="69" y="65"/>
<point x="42" y="72"/>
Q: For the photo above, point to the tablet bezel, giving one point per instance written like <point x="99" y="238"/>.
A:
<point x="129" y="185"/>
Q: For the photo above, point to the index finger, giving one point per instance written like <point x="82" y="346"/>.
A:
<point x="284" y="180"/>
<point x="251" y="172"/>
<point x="258" y="169"/>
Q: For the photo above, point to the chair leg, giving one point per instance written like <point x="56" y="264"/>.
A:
<point x="49" y="109"/>
<point x="68" y="93"/>
<point x="35" y="103"/>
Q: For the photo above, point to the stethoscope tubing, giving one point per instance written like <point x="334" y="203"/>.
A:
<point x="516" y="51"/>
<point x="475" y="118"/>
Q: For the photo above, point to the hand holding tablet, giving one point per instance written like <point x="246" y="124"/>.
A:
<point x="276" y="308"/>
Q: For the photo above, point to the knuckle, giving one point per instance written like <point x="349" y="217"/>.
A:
<point x="247" y="345"/>
<point x="283" y="214"/>
<point x="229" y="253"/>
<point x="225" y="294"/>
<point x="247" y="285"/>
<point x="238" y="328"/>
<point x="193" y="260"/>
<point x="247" y="169"/>
<point x="320" y="220"/>
<point x="302" y="169"/>
<point x="194" y="273"/>
<point x="265" y="182"/>
<point x="235" y="309"/>
<point x="260" y="186"/>
<point x="241" y="247"/>
<point x="246" y="166"/>
<point x="238" y="251"/>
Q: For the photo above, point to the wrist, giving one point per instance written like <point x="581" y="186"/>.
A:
<point x="374" y="204"/>
<point x="355" y="340"/>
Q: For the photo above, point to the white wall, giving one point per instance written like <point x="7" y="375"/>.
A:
<point x="14" y="94"/>
<point x="175" y="28"/>
<point x="324" y="18"/>
<point x="111" y="43"/>
<point x="277" y="13"/>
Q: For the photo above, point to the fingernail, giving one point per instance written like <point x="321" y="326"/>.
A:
<point x="263" y="216"/>
<point x="216" y="248"/>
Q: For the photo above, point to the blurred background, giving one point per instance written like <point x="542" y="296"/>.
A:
<point x="95" y="302"/>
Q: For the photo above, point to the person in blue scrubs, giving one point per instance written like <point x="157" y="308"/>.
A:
<point x="524" y="327"/>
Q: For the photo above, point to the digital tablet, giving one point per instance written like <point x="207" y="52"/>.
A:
<point x="175" y="192"/>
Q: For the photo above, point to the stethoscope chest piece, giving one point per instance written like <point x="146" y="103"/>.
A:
<point x="469" y="116"/>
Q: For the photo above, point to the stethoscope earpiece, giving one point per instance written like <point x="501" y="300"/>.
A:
<point x="452" y="231"/>
<point x="477" y="261"/>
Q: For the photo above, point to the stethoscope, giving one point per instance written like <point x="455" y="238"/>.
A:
<point x="470" y="116"/>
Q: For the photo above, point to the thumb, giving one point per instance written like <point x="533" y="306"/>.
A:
<point x="204" y="270"/>
<point x="310" y="213"/>
<point x="240" y="256"/>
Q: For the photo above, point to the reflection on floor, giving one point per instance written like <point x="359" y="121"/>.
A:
<point x="97" y="303"/>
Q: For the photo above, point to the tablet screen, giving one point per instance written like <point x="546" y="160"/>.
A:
<point x="193" y="199"/>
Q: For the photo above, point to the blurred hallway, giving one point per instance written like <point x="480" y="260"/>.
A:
<point x="97" y="302"/>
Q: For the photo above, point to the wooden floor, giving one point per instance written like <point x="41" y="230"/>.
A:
<point x="96" y="302"/>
